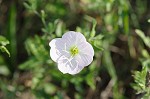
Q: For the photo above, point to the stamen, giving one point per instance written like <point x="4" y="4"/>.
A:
<point x="74" y="51"/>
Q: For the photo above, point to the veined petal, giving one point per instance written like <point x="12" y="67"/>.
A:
<point x="86" y="53"/>
<point x="66" y="64"/>
<point x="63" y="68"/>
<point x="70" y="66"/>
<point x="84" y="59"/>
<point x="86" y="48"/>
<point x="74" y="67"/>
<point x="55" y="54"/>
<point x="52" y="43"/>
<point x="58" y="48"/>
<point x="76" y="70"/>
<point x="74" y="37"/>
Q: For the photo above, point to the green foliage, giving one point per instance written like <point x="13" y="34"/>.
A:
<point x="11" y="36"/>
<point x="141" y="78"/>
<point x="107" y="24"/>
<point x="143" y="37"/>
<point x="3" y="43"/>
<point x="140" y="85"/>
<point x="44" y="70"/>
<point x="40" y="64"/>
<point x="93" y="32"/>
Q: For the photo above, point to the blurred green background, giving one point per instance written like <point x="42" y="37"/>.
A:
<point x="119" y="31"/>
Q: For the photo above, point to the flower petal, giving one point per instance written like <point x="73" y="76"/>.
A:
<point x="58" y="43"/>
<point x="86" y="48"/>
<point x="86" y="54"/>
<point x="52" y="43"/>
<point x="70" y="66"/>
<point x="84" y="60"/>
<point x="74" y="37"/>
<point x="55" y="54"/>
<point x="65" y="64"/>
<point x="74" y="67"/>
<point x="58" y="48"/>
<point x="76" y="70"/>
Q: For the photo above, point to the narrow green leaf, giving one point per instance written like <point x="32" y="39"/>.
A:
<point x="11" y="35"/>
<point x="145" y="39"/>
<point x="27" y="5"/>
<point x="90" y="19"/>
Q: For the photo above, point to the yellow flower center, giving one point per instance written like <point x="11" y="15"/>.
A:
<point x="74" y="50"/>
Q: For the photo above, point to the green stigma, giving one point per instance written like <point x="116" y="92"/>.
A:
<point x="74" y="50"/>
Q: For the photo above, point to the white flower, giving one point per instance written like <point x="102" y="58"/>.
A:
<point x="71" y="52"/>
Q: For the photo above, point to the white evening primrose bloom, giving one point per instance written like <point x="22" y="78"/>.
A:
<point x="71" y="52"/>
